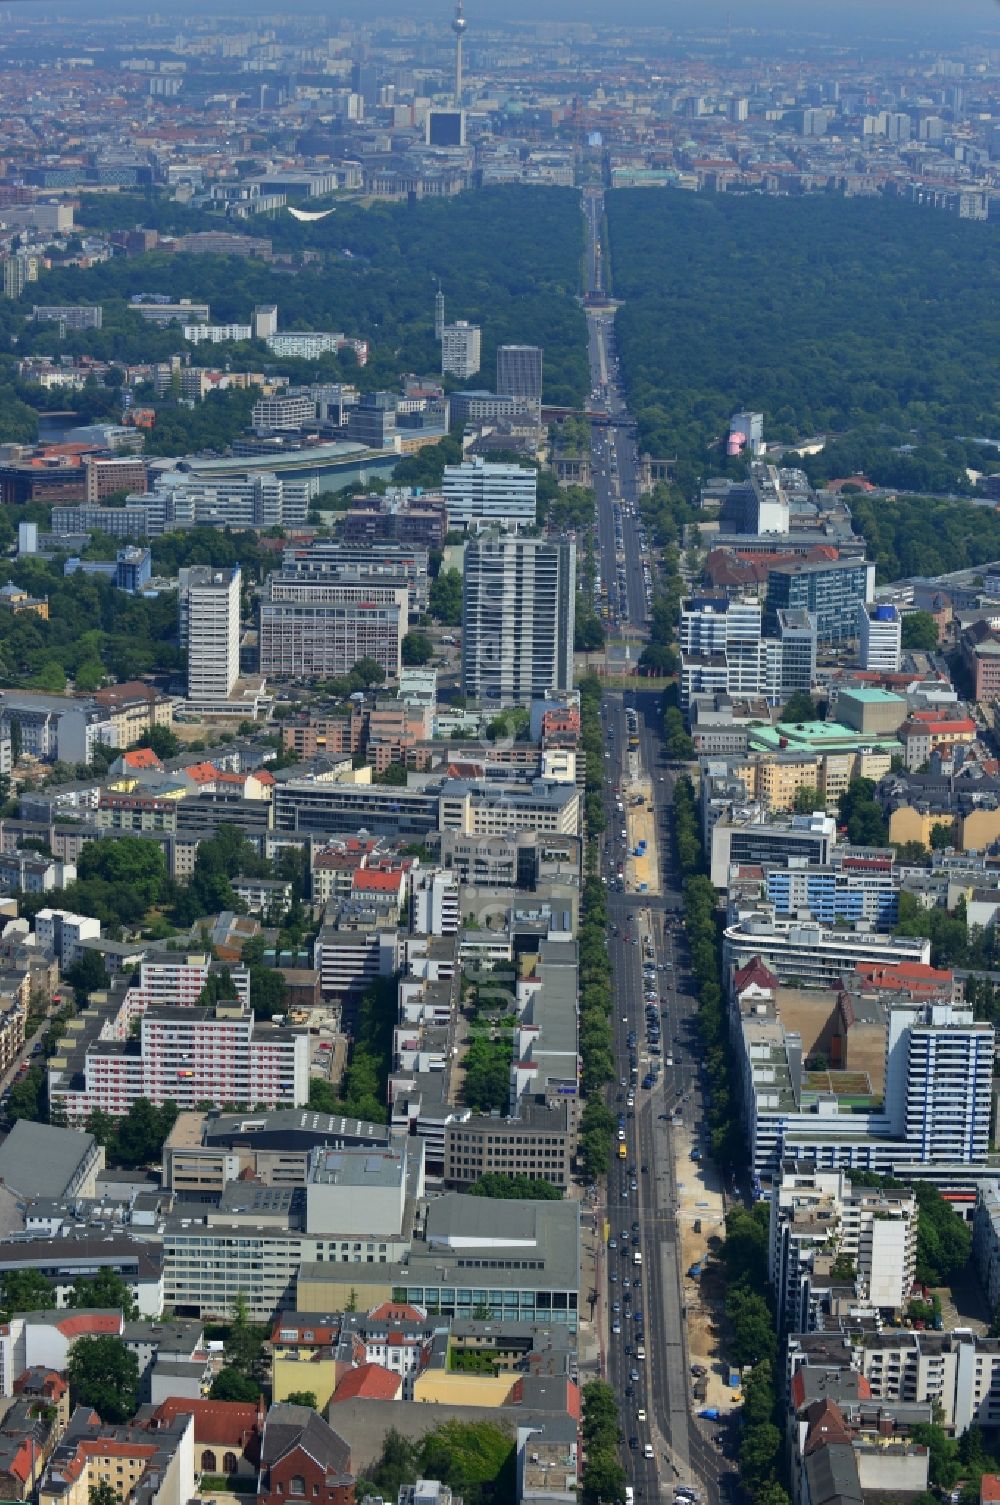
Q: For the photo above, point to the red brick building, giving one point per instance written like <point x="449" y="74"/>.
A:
<point x="303" y="1461"/>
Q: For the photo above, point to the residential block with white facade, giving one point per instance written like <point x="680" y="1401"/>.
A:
<point x="209" y="602"/>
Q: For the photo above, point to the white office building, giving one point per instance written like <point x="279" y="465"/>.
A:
<point x="255" y="500"/>
<point x="323" y="627"/>
<point x="215" y="334"/>
<point x="461" y="347"/>
<point x="518" y="603"/>
<point x="880" y="635"/>
<point x="811" y="954"/>
<point x="479" y="490"/>
<point x="306" y="345"/>
<point x="721" y="648"/>
<point x="770" y="508"/>
<point x="209" y="601"/>
<point x="283" y="410"/>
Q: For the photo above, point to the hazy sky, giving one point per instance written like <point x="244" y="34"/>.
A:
<point x="869" y="16"/>
<point x="940" y="22"/>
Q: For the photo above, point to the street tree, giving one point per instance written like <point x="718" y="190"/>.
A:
<point x="104" y="1373"/>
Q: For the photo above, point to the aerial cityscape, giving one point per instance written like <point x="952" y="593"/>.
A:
<point x="500" y="755"/>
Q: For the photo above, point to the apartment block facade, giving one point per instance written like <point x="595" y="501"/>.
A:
<point x="187" y="1056"/>
<point x="518" y="607"/>
<point x="322" y="628"/>
<point x="209" y="603"/>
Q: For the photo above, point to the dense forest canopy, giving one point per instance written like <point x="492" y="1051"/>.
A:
<point x="863" y="319"/>
<point x="508" y="258"/>
<point x="919" y="535"/>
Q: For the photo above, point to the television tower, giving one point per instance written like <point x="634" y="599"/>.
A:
<point x="439" y="314"/>
<point x="458" y="26"/>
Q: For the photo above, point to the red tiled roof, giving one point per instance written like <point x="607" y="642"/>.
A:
<point x="90" y="1324"/>
<point x="141" y="757"/>
<point x="370" y="1382"/>
<point x="754" y="972"/>
<point x="222" y="1422"/>
<point x="904" y="975"/>
<point x="20" y="1463"/>
<point x="396" y="1311"/>
<point x="989" y="1489"/>
<point x="826" y="1424"/>
<point x="202" y="773"/>
<point x="378" y="880"/>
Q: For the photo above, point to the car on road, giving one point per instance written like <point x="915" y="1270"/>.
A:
<point x="647" y="1451"/>
<point x="633" y="1443"/>
<point x="641" y="1414"/>
<point x="616" y="1328"/>
<point x="633" y="1375"/>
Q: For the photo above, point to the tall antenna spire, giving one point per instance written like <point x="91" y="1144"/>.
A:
<point x="458" y="26"/>
<point x="439" y="313"/>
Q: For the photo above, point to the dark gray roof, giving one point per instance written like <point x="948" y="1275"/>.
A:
<point x="290" y="1427"/>
<point x="832" y="1472"/>
<point x="40" y="1160"/>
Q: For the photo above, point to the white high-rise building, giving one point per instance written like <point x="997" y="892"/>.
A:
<point x="769" y="510"/>
<point x="938" y="1081"/>
<point x="746" y="434"/>
<point x="880" y="635"/>
<point x="817" y="1216"/>
<point x="435" y="908"/>
<point x="517" y="617"/>
<point x="210" y="630"/>
<point x="461" y="346"/>
<point x="721" y="648"/>
<point x="479" y="490"/>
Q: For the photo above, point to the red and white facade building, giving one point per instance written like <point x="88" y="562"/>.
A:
<point x="182" y="1052"/>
